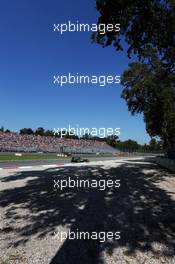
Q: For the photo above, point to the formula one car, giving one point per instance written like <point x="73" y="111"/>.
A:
<point x="78" y="160"/>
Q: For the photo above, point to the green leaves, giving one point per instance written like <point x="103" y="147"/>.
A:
<point x="150" y="89"/>
<point x="144" y="24"/>
<point x="148" y="28"/>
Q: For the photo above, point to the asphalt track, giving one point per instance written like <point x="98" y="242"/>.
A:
<point x="16" y="164"/>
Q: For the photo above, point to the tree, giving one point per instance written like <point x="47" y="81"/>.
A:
<point x="2" y="129"/>
<point x="112" y="140"/>
<point x="49" y="133"/>
<point x="148" y="28"/>
<point x="26" y="131"/>
<point x="39" y="131"/>
<point x="150" y="88"/>
<point x="128" y="145"/>
<point x="7" y="131"/>
<point x="143" y="25"/>
<point x="153" y="144"/>
<point x="86" y="136"/>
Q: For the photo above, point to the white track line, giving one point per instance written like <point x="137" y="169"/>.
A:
<point x="35" y="166"/>
<point x="50" y="166"/>
<point x="25" y="167"/>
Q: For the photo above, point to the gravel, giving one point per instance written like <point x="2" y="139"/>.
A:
<point x="32" y="211"/>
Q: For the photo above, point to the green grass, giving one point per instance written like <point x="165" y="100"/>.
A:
<point x="31" y="156"/>
<point x="12" y="157"/>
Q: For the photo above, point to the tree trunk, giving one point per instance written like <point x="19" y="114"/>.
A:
<point x="171" y="151"/>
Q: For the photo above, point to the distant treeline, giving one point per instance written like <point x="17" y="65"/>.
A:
<point x="114" y="141"/>
<point x="132" y="145"/>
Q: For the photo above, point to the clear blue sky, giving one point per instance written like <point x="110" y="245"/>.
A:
<point x="31" y="53"/>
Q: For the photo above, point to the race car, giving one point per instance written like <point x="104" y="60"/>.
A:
<point x="78" y="159"/>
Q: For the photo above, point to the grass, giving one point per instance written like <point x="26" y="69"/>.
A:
<point x="31" y="156"/>
<point x="12" y="157"/>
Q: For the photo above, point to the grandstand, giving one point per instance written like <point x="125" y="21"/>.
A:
<point x="14" y="142"/>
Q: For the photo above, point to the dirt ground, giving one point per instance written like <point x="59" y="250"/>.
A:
<point x="142" y="209"/>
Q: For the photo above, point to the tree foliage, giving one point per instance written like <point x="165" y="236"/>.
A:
<point x="144" y="25"/>
<point x="150" y="88"/>
<point x="26" y="131"/>
<point x="128" y="145"/>
<point x="148" y="28"/>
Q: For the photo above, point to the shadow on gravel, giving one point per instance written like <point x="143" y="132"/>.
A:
<point x="142" y="211"/>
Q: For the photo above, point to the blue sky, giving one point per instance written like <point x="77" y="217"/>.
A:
<point x="31" y="53"/>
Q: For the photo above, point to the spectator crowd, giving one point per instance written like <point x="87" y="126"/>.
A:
<point x="15" y="142"/>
